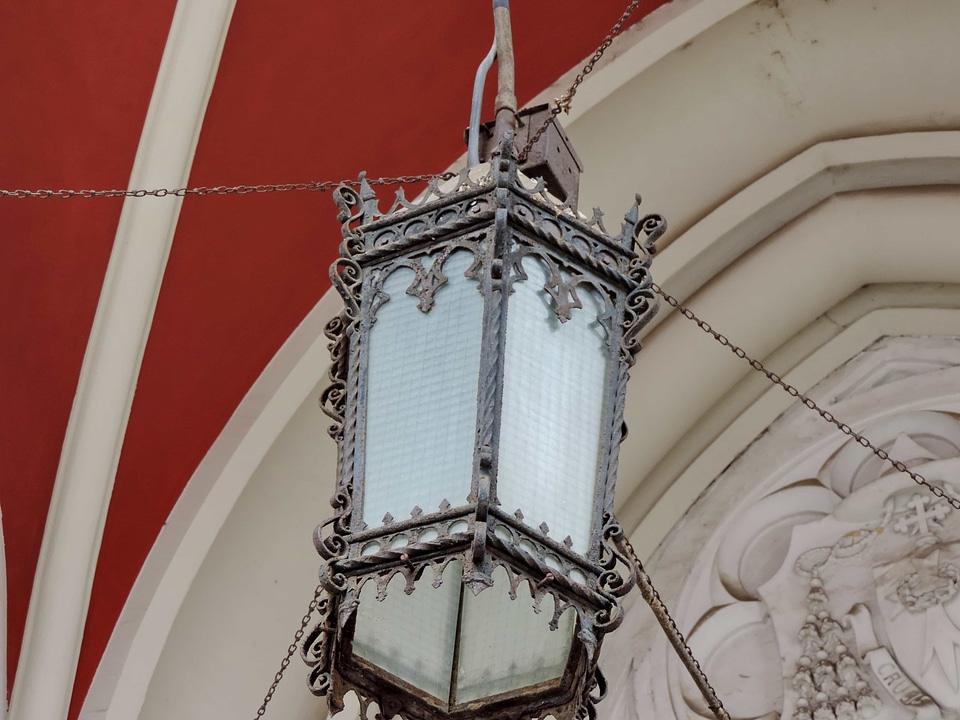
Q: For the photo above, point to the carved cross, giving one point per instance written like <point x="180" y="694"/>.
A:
<point x="922" y="517"/>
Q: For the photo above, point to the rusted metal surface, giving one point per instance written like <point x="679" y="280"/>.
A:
<point x="316" y="186"/>
<point x="670" y="629"/>
<point x="505" y="105"/>
<point x="550" y="156"/>
<point x="500" y="220"/>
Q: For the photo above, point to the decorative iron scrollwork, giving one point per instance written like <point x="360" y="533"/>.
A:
<point x="316" y="648"/>
<point x="564" y="293"/>
<point x="501" y="219"/>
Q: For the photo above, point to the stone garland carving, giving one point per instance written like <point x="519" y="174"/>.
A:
<point x="905" y="548"/>
<point x="828" y="682"/>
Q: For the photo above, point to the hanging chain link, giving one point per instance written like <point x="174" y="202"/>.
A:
<point x="794" y="392"/>
<point x="285" y="663"/>
<point x="323" y="186"/>
<point x="562" y="105"/>
<point x="669" y="625"/>
<point x="563" y="102"/>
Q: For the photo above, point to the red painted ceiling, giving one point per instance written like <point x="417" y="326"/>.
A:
<point x="75" y="84"/>
<point x="306" y="90"/>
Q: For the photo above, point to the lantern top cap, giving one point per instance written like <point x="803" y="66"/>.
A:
<point x="484" y="188"/>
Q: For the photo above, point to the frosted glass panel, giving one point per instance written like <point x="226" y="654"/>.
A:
<point x="423" y="374"/>
<point x="412" y="636"/>
<point x="555" y="376"/>
<point x="505" y="645"/>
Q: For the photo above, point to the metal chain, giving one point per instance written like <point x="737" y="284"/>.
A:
<point x="323" y="186"/>
<point x="562" y="105"/>
<point x="794" y="392"/>
<point x="673" y="633"/>
<point x="563" y="102"/>
<point x="297" y="637"/>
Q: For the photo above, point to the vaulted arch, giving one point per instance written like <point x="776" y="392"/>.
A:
<point x="807" y="156"/>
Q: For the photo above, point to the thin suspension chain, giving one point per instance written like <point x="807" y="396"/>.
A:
<point x="562" y="103"/>
<point x="670" y="629"/>
<point x="322" y="186"/>
<point x="285" y="663"/>
<point x="794" y="392"/>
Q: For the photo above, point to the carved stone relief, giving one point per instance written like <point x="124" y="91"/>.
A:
<point x="813" y="581"/>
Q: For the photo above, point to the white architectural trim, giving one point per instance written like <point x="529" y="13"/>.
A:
<point x="721" y="239"/>
<point x="128" y="664"/>
<point x="641" y="46"/>
<point x="788" y="191"/>
<point x="108" y="378"/>
<point x="752" y="418"/>
<point x="799" y="273"/>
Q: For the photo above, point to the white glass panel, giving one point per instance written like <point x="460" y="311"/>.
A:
<point x="555" y="376"/>
<point x="412" y="636"/>
<point x="422" y="379"/>
<point x="505" y="645"/>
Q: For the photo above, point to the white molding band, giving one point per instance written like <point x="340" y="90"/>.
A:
<point x="638" y="48"/>
<point x="126" y="670"/>
<point x="754" y="416"/>
<point x="799" y="274"/>
<point x="108" y="378"/>
<point x="791" y="189"/>
<point x="719" y="241"/>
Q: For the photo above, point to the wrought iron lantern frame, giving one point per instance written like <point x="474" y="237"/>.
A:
<point x="500" y="218"/>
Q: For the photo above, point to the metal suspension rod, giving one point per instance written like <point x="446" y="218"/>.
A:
<point x="506" y="104"/>
<point x="473" y="137"/>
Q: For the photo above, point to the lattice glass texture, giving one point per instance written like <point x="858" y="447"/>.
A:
<point x="423" y="374"/>
<point x="412" y="636"/>
<point x="505" y="645"/>
<point x="554" y="391"/>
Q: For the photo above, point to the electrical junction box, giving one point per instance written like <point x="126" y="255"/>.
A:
<point x="552" y="158"/>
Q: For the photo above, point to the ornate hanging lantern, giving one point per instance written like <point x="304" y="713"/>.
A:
<point x="478" y="382"/>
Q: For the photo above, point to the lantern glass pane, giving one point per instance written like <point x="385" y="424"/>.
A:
<point x="412" y="636"/>
<point x="505" y="645"/>
<point x="423" y="373"/>
<point x="554" y="391"/>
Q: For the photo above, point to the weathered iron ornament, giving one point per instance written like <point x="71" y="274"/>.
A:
<point x="478" y="381"/>
<point x="473" y="564"/>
